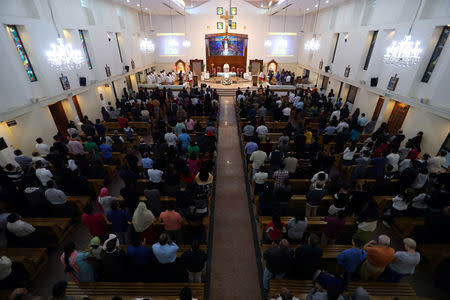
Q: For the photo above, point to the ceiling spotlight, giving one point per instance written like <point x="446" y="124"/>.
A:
<point x="307" y="9"/>
<point x="146" y="8"/>
<point x="316" y="5"/>
<point x="128" y="1"/>
<point x="327" y="1"/>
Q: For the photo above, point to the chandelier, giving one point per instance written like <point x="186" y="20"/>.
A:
<point x="313" y="44"/>
<point x="186" y="42"/>
<point x="406" y="52"/>
<point x="147" y="46"/>
<point x="61" y="55"/>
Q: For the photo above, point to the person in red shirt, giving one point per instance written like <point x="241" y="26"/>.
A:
<point x="334" y="228"/>
<point x="379" y="256"/>
<point x="94" y="222"/>
<point x="187" y="176"/>
<point x="172" y="221"/>
<point x="122" y="122"/>
<point x="275" y="229"/>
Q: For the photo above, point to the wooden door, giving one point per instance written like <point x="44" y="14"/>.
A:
<point x="325" y="82"/>
<point x="129" y="85"/>
<point x="77" y="107"/>
<point x="59" y="117"/>
<point x="376" y="112"/>
<point x="397" y="117"/>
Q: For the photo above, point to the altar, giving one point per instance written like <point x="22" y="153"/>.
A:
<point x="226" y="77"/>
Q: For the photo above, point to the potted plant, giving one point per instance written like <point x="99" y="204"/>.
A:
<point x="250" y="67"/>
<point x="203" y="67"/>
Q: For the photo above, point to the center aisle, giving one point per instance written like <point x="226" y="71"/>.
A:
<point x="234" y="273"/>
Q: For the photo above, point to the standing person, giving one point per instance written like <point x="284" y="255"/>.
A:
<point x="313" y="199"/>
<point x="334" y="228"/>
<point x="140" y="258"/>
<point x="379" y="256"/>
<point x="113" y="260"/>
<point x="76" y="264"/>
<point x="296" y="227"/>
<point x="165" y="250"/>
<point x="404" y="262"/>
<point x="42" y="148"/>
<point x="119" y="219"/>
<point x="94" y="222"/>
<point x="142" y="222"/>
<point x="43" y="174"/>
<point x="57" y="199"/>
<point x="258" y="158"/>
<point x="172" y="221"/>
<point x="278" y="260"/>
<point x="194" y="260"/>
<point x="275" y="229"/>
<point x="104" y="200"/>
<point x="350" y="259"/>
<point x="307" y="257"/>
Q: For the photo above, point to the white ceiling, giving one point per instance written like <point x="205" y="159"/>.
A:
<point x="294" y="7"/>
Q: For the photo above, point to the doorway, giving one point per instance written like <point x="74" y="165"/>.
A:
<point x="59" y="117"/>
<point x="377" y="111"/>
<point x="325" y="83"/>
<point x="340" y="90"/>
<point x="129" y="84"/>
<point x="397" y="117"/>
<point x="77" y="107"/>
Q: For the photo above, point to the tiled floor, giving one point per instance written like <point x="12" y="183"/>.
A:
<point x="234" y="272"/>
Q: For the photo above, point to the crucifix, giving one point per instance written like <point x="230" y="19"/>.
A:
<point x="226" y="17"/>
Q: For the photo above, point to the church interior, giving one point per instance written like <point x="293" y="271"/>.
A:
<point x="224" y="149"/>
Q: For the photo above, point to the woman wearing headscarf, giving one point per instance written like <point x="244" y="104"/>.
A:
<point x="76" y="264"/>
<point x="104" y="200"/>
<point x="142" y="221"/>
<point x="114" y="260"/>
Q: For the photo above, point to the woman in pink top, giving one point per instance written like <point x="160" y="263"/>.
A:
<point x="189" y="123"/>
<point x="194" y="163"/>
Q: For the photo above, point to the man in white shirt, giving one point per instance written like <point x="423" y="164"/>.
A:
<point x="18" y="227"/>
<point x="240" y="97"/>
<point x="43" y="174"/>
<point x="170" y="138"/>
<point x="435" y="165"/>
<point x="262" y="130"/>
<point x="155" y="175"/>
<point x="258" y="158"/>
<point x="393" y="159"/>
<point x="286" y="113"/>
<point x="42" y="148"/>
<point x="341" y="126"/>
<point x="336" y="113"/>
<point x="55" y="196"/>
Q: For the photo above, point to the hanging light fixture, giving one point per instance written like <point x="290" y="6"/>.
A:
<point x="146" y="45"/>
<point x="313" y="44"/>
<point x="268" y="42"/>
<point x="186" y="42"/>
<point x="406" y="52"/>
<point x="61" y="55"/>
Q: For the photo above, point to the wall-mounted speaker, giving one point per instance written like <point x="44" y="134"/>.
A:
<point x="374" y="81"/>
<point x="3" y="144"/>
<point x="127" y="68"/>
<point x="82" y="81"/>
<point x="327" y="68"/>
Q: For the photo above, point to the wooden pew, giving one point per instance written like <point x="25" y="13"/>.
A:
<point x="51" y="230"/>
<point x="434" y="254"/>
<point x="78" y="202"/>
<point x="392" y="188"/>
<point x="149" y="289"/>
<point x="125" y="297"/>
<point x="404" y="226"/>
<point x="33" y="259"/>
<point x="298" y="287"/>
<point x="96" y="184"/>
<point x="314" y="223"/>
<point x="183" y="248"/>
<point x="111" y="170"/>
<point x="330" y="252"/>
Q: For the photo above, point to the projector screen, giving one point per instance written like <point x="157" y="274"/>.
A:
<point x="232" y="46"/>
<point x="170" y="44"/>
<point x="283" y="44"/>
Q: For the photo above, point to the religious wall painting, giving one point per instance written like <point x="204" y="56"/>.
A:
<point x="220" y="25"/>
<point x="393" y="83"/>
<point x="234" y="11"/>
<point x="180" y="66"/>
<point x="220" y="11"/>
<point x="64" y="82"/>
<point x="233" y="25"/>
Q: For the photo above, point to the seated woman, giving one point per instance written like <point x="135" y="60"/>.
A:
<point x="76" y="264"/>
<point x="275" y="230"/>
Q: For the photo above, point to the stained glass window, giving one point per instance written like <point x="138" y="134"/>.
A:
<point x="22" y="53"/>
<point x="86" y="53"/>
<point x="436" y="53"/>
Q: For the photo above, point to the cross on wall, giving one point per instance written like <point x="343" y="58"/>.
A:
<point x="226" y="17"/>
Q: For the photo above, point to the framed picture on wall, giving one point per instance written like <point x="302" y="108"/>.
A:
<point x="320" y="64"/>
<point x="220" y="11"/>
<point x="219" y="25"/>
<point x="393" y="83"/>
<point x="108" y="71"/>
<point x="64" y="82"/>
<point x="347" y="71"/>
<point x="133" y="66"/>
